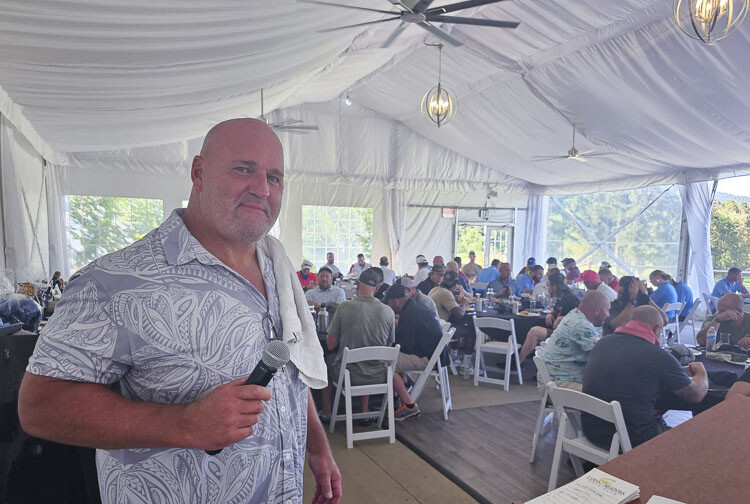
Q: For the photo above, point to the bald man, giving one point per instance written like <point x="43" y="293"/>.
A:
<point x="178" y="320"/>
<point x="567" y="351"/>
<point x="730" y="318"/>
<point x="630" y="367"/>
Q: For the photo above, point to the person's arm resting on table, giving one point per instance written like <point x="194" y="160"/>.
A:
<point x="696" y="391"/>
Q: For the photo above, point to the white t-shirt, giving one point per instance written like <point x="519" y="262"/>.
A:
<point x="607" y="291"/>
<point x="389" y="276"/>
<point x="421" y="274"/>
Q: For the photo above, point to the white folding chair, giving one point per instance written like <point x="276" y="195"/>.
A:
<point x="673" y="326"/>
<point x="690" y="319"/>
<point x="571" y="441"/>
<point x="545" y="406"/>
<point x="508" y="348"/>
<point x="389" y="356"/>
<point x="436" y="370"/>
<point x="710" y="309"/>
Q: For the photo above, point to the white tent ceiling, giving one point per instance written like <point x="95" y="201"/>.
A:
<point x="85" y="76"/>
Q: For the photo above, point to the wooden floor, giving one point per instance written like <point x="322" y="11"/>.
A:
<point x="486" y="450"/>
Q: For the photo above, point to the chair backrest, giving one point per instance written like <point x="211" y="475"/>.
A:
<point x="445" y="325"/>
<point x="478" y="285"/>
<point x="542" y="368"/>
<point x="691" y="314"/>
<point x="675" y="307"/>
<point x="434" y="359"/>
<point x="566" y="399"/>
<point x="493" y="323"/>
<point x="709" y="308"/>
<point x="387" y="354"/>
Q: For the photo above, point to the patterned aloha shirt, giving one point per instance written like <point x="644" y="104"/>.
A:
<point x="567" y="351"/>
<point x="167" y="322"/>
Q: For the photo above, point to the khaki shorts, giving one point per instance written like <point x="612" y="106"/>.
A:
<point x="570" y="385"/>
<point x="408" y="362"/>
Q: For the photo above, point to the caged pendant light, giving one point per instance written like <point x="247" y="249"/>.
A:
<point x="437" y="103"/>
<point x="709" y="20"/>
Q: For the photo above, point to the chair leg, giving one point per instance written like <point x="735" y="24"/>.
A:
<point x="538" y="427"/>
<point x="477" y="359"/>
<point x="552" y="484"/>
<point x="506" y="385"/>
<point x="382" y="412"/>
<point x="391" y="417"/>
<point x="518" y="364"/>
<point x="349" y="419"/>
<point x="447" y="390"/>
<point x="334" y="412"/>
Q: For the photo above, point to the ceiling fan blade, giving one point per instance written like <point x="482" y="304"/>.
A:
<point x="288" y="122"/>
<point x="598" y="154"/>
<point x="577" y="158"/>
<point x="460" y="6"/>
<point x="547" y="158"/>
<point x="358" y="24"/>
<point x="402" y="5"/>
<point x="394" y="35"/>
<point x="422" y="5"/>
<point x="586" y="153"/>
<point x="300" y="127"/>
<point x="471" y="21"/>
<point x="344" y="6"/>
<point x="440" y="33"/>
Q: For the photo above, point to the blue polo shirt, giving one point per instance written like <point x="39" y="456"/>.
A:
<point x="487" y="275"/>
<point x="524" y="282"/>
<point x="497" y="285"/>
<point x="666" y="293"/>
<point x="684" y="295"/>
<point x="723" y="286"/>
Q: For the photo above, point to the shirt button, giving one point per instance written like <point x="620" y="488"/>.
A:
<point x="289" y="501"/>
<point x="287" y="456"/>
<point x="283" y="409"/>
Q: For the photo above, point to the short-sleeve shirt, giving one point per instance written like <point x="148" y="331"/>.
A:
<point x="311" y="279"/>
<point x="357" y="270"/>
<point x="421" y="275"/>
<point x="723" y="286"/>
<point x="170" y="322"/>
<point x="567" y="350"/>
<point x="565" y="304"/>
<point x="332" y="294"/>
<point x="607" y="291"/>
<point x="487" y="275"/>
<point x="426" y="301"/>
<point x="444" y="301"/>
<point x="736" y="332"/>
<point x="364" y="321"/>
<point x="684" y="295"/>
<point x="523" y="283"/>
<point x="389" y="276"/>
<point x="635" y="372"/>
<point x="471" y="270"/>
<point x="497" y="285"/>
<point x="666" y="293"/>
<point x="418" y="331"/>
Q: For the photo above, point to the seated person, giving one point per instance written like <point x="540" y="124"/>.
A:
<point x="306" y="279"/>
<point x="567" y="350"/>
<point x="606" y="276"/>
<point x="451" y="311"/>
<point x="541" y="287"/>
<point x="631" y="293"/>
<point x="438" y="261"/>
<point x="432" y="280"/>
<point x="325" y="293"/>
<point x="593" y="283"/>
<point x="572" y="273"/>
<point x="566" y="302"/>
<point x="423" y="269"/>
<point x="684" y="295"/>
<point x="730" y="318"/>
<point x="487" y="275"/>
<point x="526" y="269"/>
<point x="332" y="266"/>
<point x="418" y="296"/>
<point x="526" y="282"/>
<point x="630" y="367"/>
<point x="504" y="285"/>
<point x="362" y="322"/>
<point x="389" y="276"/>
<point x="472" y="269"/>
<point x="733" y="282"/>
<point x="463" y="282"/>
<point x="665" y="291"/>
<point x="357" y="268"/>
<point x="418" y="332"/>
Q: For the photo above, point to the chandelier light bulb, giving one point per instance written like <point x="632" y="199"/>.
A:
<point x="709" y="20"/>
<point x="437" y="103"/>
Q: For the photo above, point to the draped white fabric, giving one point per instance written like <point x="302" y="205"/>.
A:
<point x="535" y="236"/>
<point x="56" y="186"/>
<point x="395" y="214"/>
<point x="697" y="201"/>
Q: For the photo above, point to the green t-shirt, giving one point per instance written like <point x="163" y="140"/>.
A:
<point x="364" y="321"/>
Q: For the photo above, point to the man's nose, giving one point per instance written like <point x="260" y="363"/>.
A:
<point x="259" y="184"/>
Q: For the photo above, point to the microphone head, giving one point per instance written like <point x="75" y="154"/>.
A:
<point x="275" y="354"/>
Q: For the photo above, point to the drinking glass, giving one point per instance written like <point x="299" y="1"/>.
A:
<point x="532" y="305"/>
<point x="724" y="339"/>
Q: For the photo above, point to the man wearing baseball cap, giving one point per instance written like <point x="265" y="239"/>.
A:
<point x="450" y="311"/>
<point x="416" y="295"/>
<point x="593" y="282"/>
<point x="307" y="279"/>
<point x="423" y="269"/>
<point x="362" y="322"/>
<point x="432" y="280"/>
<point x="572" y="273"/>
<point x="358" y="267"/>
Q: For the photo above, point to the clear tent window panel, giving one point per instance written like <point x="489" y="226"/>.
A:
<point x="617" y="227"/>
<point x="98" y="225"/>
<point x="345" y="231"/>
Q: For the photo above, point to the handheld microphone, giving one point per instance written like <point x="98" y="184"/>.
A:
<point x="275" y="356"/>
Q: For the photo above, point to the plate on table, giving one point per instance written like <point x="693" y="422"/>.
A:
<point x="525" y="313"/>
<point x="743" y="364"/>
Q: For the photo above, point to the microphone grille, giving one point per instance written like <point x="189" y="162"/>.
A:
<point x="275" y="354"/>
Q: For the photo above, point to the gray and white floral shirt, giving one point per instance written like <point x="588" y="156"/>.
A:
<point x="166" y="322"/>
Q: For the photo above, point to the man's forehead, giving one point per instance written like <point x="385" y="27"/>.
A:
<point x="245" y="140"/>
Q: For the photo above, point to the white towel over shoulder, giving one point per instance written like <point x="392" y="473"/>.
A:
<point x="297" y="322"/>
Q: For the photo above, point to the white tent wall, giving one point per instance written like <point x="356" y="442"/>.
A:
<point x="24" y="204"/>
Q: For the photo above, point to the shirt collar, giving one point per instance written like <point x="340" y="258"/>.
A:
<point x="639" y="330"/>
<point x="179" y="244"/>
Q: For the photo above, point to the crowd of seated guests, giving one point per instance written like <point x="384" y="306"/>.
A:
<point x="605" y="343"/>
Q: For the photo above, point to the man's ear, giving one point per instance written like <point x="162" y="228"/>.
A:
<point x="196" y="172"/>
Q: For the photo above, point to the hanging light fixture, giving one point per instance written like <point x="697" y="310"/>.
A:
<point x="437" y="103"/>
<point x="709" y="20"/>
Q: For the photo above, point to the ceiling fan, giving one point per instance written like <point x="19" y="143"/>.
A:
<point x="421" y="15"/>
<point x="572" y="153"/>
<point x="288" y="125"/>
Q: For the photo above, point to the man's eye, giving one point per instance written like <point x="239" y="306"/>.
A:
<point x="274" y="179"/>
<point x="241" y="169"/>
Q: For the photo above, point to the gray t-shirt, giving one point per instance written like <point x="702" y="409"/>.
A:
<point x="332" y="294"/>
<point x="364" y="321"/>
<point x="426" y="301"/>
<point x="170" y="322"/>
